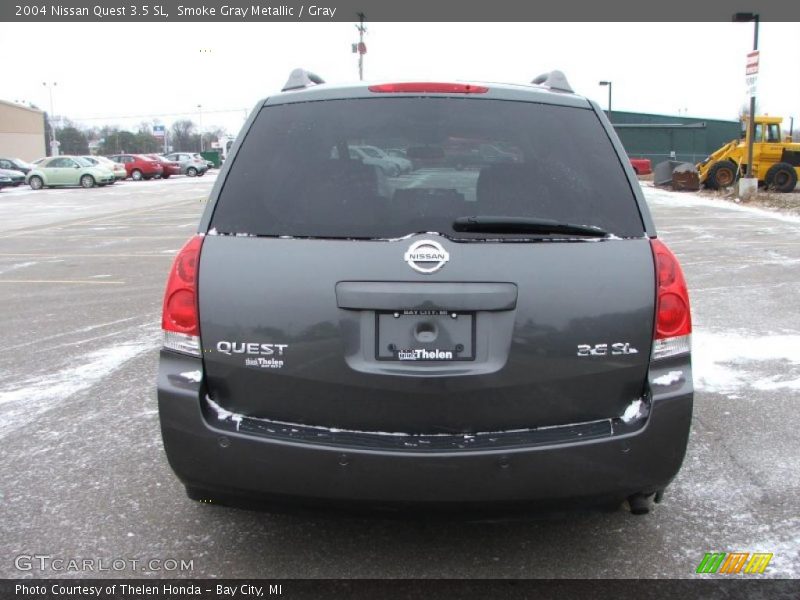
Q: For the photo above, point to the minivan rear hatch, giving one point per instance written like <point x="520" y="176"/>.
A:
<point x="498" y="279"/>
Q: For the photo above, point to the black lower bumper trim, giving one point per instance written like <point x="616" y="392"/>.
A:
<point x="448" y="442"/>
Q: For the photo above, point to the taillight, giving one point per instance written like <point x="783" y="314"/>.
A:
<point x="180" y="320"/>
<point x="428" y="87"/>
<point x="673" y="326"/>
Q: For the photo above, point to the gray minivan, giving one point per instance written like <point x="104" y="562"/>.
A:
<point x="505" y="330"/>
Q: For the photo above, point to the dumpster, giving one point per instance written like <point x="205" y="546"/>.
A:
<point x="213" y="156"/>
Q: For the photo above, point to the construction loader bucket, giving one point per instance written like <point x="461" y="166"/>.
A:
<point x="681" y="176"/>
<point x="685" y="178"/>
<point x="662" y="174"/>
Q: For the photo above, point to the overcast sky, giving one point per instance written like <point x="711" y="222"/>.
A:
<point x="105" y="71"/>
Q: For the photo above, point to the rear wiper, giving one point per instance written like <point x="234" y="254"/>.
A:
<point x="495" y="224"/>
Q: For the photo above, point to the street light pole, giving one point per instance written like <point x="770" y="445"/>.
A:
<point x="361" y="48"/>
<point x="200" y="109"/>
<point x="608" y="83"/>
<point x="53" y="140"/>
<point x="751" y="126"/>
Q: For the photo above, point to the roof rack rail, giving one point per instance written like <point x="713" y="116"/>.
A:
<point x="555" y="80"/>
<point x="300" y="78"/>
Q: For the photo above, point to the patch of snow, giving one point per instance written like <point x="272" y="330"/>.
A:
<point x="195" y="376"/>
<point x="24" y="402"/>
<point x="224" y="415"/>
<point x="212" y="231"/>
<point x="690" y="200"/>
<point x="773" y="383"/>
<point x="633" y="411"/>
<point x="16" y="267"/>
<point x="722" y="361"/>
<point x="669" y="378"/>
<point x="75" y="331"/>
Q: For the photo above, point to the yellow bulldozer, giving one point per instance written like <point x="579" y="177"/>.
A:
<point x="776" y="161"/>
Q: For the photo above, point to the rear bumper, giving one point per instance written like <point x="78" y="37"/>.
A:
<point x="643" y="457"/>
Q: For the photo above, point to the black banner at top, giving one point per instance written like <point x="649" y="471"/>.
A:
<point x="390" y="10"/>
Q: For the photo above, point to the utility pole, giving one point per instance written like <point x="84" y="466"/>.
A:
<point x="362" y="47"/>
<point x="53" y="140"/>
<point x="200" y="109"/>
<point x="751" y="126"/>
<point x="607" y="83"/>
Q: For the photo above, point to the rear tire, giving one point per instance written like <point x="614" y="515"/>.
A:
<point x="781" y="177"/>
<point x="191" y="172"/>
<point x="165" y="177"/>
<point x="87" y="181"/>
<point x="36" y="182"/>
<point x="136" y="175"/>
<point x="721" y="174"/>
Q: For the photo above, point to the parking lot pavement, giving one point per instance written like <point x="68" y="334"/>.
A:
<point x="83" y="474"/>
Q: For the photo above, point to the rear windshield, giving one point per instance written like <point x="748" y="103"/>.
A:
<point x="312" y="169"/>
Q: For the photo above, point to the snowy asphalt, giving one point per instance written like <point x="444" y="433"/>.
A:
<point x="83" y="473"/>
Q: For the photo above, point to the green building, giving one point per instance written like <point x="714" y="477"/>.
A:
<point x="664" y="137"/>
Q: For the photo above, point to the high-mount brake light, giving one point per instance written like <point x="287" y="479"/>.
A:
<point x="428" y="88"/>
<point x="673" y="328"/>
<point x="180" y="320"/>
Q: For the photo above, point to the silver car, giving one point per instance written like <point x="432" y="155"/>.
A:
<point x="189" y="164"/>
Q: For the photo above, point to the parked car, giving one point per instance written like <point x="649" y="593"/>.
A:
<point x="15" y="164"/>
<point x="371" y="158"/>
<point x="199" y="157"/>
<point x="403" y="164"/>
<point x="516" y="333"/>
<point x="101" y="161"/>
<point x="16" y="177"/>
<point x="170" y="167"/>
<point x="400" y="153"/>
<point x="470" y="153"/>
<point x="189" y="164"/>
<point x="68" y="170"/>
<point x="642" y="166"/>
<point x="138" y="166"/>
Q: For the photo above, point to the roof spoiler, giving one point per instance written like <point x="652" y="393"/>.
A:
<point x="555" y="80"/>
<point x="300" y="79"/>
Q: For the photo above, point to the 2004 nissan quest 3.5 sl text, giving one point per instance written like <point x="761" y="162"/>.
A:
<point x="493" y="321"/>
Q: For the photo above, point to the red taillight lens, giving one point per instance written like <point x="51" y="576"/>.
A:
<point x="180" y="299"/>
<point x="428" y="87"/>
<point x="673" y="317"/>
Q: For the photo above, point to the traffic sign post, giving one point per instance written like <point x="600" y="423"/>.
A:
<point x="751" y="73"/>
<point x="160" y="131"/>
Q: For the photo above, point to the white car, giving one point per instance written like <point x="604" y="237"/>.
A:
<point x="403" y="164"/>
<point x="101" y="161"/>
<point x="370" y="156"/>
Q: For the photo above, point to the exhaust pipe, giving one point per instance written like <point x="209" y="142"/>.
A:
<point x="639" y="503"/>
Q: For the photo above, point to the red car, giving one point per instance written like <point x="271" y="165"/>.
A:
<point x="170" y="166"/>
<point x="139" y="166"/>
<point x="642" y="166"/>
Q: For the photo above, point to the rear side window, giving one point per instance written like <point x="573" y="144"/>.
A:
<point x="390" y="167"/>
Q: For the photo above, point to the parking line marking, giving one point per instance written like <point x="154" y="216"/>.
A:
<point x="89" y="281"/>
